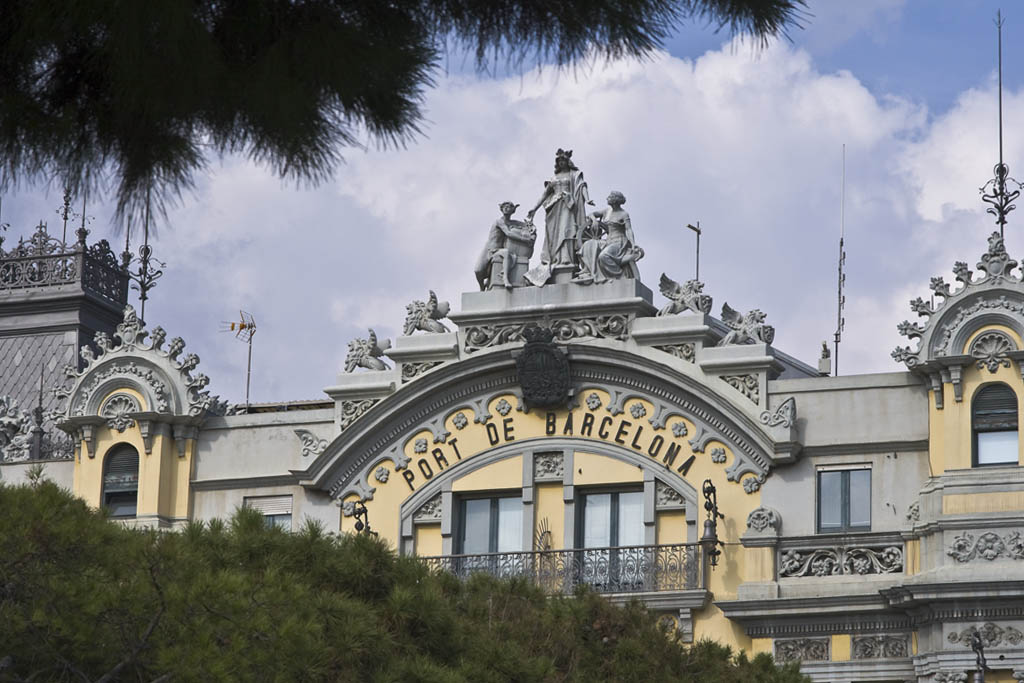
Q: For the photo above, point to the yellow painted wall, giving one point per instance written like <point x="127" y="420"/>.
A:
<point x="670" y="526"/>
<point x="428" y="540"/>
<point x="759" y="564"/>
<point x="913" y="556"/>
<point x="967" y="503"/>
<point x="504" y="474"/>
<point x="761" y="646"/>
<point x="548" y="504"/>
<point x="950" y="434"/>
<point x="590" y="469"/>
<point x="841" y="648"/>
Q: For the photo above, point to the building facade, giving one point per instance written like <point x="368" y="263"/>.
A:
<point x="563" y="427"/>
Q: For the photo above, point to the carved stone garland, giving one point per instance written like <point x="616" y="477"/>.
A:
<point x="479" y="337"/>
<point x="353" y="410"/>
<point x="989" y="546"/>
<point x="411" y="371"/>
<point x="802" y="649"/>
<point x="548" y="466"/>
<point x="881" y="647"/>
<point x="991" y="635"/>
<point x="840" y="560"/>
<point x="747" y="385"/>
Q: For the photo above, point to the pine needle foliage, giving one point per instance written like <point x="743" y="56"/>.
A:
<point x="138" y="96"/>
<point x="85" y="599"/>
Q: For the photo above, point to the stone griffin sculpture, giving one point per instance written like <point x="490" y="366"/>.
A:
<point x="426" y="316"/>
<point x="746" y="329"/>
<point x="366" y="353"/>
<point x="685" y="297"/>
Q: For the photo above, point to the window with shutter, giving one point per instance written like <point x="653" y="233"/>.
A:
<point x="121" y="481"/>
<point x="276" y="510"/>
<point x="994" y="425"/>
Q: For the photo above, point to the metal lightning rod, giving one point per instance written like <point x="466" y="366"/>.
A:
<point x="841" y="299"/>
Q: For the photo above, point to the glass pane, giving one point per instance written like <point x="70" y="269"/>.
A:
<point x="631" y="518"/>
<point x="860" y="498"/>
<point x="997" y="447"/>
<point x="510" y="525"/>
<point x="830" y="500"/>
<point x="476" y="526"/>
<point x="121" y="504"/>
<point x="283" y="521"/>
<point x="597" y="520"/>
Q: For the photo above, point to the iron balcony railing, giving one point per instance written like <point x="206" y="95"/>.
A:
<point x="628" y="569"/>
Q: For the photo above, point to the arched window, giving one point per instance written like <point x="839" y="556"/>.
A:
<point x="994" y="425"/>
<point x="121" y="481"/>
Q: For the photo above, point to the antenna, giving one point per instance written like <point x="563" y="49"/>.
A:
<point x="841" y="300"/>
<point x="994" y="191"/>
<point x="244" y="329"/>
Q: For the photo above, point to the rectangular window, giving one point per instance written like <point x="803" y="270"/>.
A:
<point x="276" y="510"/>
<point x="610" y="529"/>
<point x="491" y="525"/>
<point x="844" y="500"/>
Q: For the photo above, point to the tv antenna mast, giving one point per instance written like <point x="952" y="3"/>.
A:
<point x="244" y="330"/>
<point x="841" y="298"/>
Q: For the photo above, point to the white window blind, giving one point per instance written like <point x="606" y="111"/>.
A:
<point x="270" y="505"/>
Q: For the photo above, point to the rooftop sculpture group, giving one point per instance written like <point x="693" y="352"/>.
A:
<point x="581" y="247"/>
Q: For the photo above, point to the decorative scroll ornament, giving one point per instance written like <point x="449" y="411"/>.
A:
<point x="784" y="415"/>
<point x="426" y="316"/>
<point x="951" y="677"/>
<point x="117" y="408"/>
<point x="747" y="385"/>
<point x="914" y="512"/>
<point x="411" y="371"/>
<point x="746" y="329"/>
<point x="548" y="467"/>
<point x="353" y="410"/>
<point x="880" y="647"/>
<point x="990" y="350"/>
<point x="479" y="337"/>
<point x="995" y="193"/>
<point x="543" y="370"/>
<point x="667" y="497"/>
<point x="366" y="353"/>
<point x="161" y="372"/>
<point x="430" y="511"/>
<point x="802" y="649"/>
<point x="841" y="560"/>
<point x="687" y="297"/>
<point x="991" y="635"/>
<point x="989" y="546"/>
<point x="15" y="431"/>
<point x="311" y="443"/>
<point x="686" y="351"/>
<point x="762" y="519"/>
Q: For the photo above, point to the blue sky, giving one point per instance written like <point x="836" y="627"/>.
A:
<point x="746" y="141"/>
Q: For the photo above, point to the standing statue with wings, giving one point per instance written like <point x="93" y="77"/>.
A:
<point x="681" y="298"/>
<point x="366" y="353"/>
<point x="746" y="329"/>
<point x="426" y="316"/>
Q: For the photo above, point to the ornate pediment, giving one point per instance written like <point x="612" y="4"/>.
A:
<point x="953" y="315"/>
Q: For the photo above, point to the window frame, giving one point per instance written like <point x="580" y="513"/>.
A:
<point x="974" y="427"/>
<point x="581" y="519"/>
<point x="493" y="520"/>
<point x="273" y="515"/>
<point x="844" y="511"/>
<point x="106" y="495"/>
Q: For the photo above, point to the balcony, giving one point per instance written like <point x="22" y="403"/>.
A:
<point x="628" y="569"/>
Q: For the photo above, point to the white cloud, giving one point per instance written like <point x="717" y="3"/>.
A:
<point x="748" y="146"/>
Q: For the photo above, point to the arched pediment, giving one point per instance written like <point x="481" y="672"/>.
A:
<point x="663" y="412"/>
<point x="161" y="375"/>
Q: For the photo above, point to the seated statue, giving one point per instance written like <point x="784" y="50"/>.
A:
<point x="506" y="255"/>
<point x="609" y="250"/>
